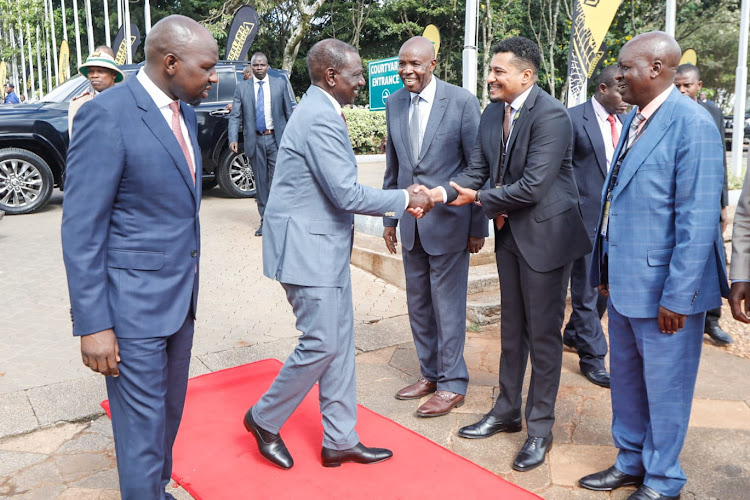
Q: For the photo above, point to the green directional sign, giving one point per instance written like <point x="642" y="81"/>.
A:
<point x="384" y="81"/>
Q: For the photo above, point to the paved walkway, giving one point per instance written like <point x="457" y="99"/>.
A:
<point x="55" y="443"/>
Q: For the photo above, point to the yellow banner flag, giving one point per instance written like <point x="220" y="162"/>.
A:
<point x="64" y="62"/>
<point x="3" y="76"/>
<point x="432" y="34"/>
<point x="591" y="21"/>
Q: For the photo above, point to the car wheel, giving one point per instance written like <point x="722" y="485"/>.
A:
<point x="235" y="176"/>
<point x="26" y="181"/>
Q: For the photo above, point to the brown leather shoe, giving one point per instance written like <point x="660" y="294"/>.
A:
<point x="418" y="389"/>
<point x="441" y="403"/>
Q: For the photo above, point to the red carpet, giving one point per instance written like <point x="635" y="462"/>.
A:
<point x="216" y="459"/>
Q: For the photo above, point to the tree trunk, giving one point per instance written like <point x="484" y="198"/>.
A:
<point x="306" y="12"/>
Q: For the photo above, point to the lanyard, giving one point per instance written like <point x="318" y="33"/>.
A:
<point x="512" y="125"/>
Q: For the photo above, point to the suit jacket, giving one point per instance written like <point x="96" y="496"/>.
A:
<point x="538" y="190"/>
<point x="446" y="148"/>
<point x="740" y="269"/>
<point x="130" y="228"/>
<point x="243" y="111"/>
<point x="664" y="243"/>
<point x="308" y="225"/>
<point x="718" y="117"/>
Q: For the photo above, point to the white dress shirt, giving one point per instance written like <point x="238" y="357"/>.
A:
<point x="606" y="129"/>
<point x="426" y="99"/>
<point x="266" y="99"/>
<point x="163" y="101"/>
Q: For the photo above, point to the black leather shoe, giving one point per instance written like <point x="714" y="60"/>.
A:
<point x="608" y="480"/>
<point x="360" y="454"/>
<point x="532" y="454"/>
<point x="259" y="232"/>
<point x="717" y="334"/>
<point x="270" y="445"/>
<point x="488" y="426"/>
<point x="646" y="493"/>
<point x="598" y="377"/>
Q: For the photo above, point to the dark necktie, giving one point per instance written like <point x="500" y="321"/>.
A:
<point x="414" y="128"/>
<point x="506" y="123"/>
<point x="260" y="111"/>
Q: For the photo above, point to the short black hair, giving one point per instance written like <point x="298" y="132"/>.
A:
<point x="689" y="68"/>
<point x="523" y="50"/>
<point x="607" y="76"/>
<point x="328" y="53"/>
<point x="10" y="84"/>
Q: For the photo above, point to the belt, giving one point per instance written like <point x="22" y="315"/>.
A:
<point x="265" y="132"/>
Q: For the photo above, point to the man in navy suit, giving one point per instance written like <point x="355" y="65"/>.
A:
<point x="307" y="248"/>
<point x="131" y="242"/>
<point x="263" y="125"/>
<point x="432" y="126"/>
<point x="688" y="82"/>
<point x="658" y="256"/>
<point x="596" y="130"/>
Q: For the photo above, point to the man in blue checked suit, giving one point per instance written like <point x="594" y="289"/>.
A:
<point x="658" y="257"/>
<point x="131" y="242"/>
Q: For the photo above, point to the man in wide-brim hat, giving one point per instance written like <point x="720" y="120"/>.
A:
<point x="102" y="73"/>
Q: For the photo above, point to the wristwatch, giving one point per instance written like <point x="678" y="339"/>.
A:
<point x="477" y="201"/>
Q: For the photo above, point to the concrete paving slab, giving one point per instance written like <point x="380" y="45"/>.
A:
<point x="596" y="427"/>
<point x="533" y="480"/>
<point x="16" y="414"/>
<point x="560" y="493"/>
<point x="279" y="349"/>
<point x="405" y="359"/>
<point x="104" y="480"/>
<point x="45" y="441"/>
<point x="75" y="467"/>
<point x="89" y="494"/>
<point x="716" y="463"/>
<point x="572" y="462"/>
<point x="722" y="376"/>
<point x="377" y="357"/>
<point x="87" y="442"/>
<point x="734" y="415"/>
<point x="14" y="461"/>
<point x="68" y="401"/>
<point x="383" y="333"/>
<point x="37" y="477"/>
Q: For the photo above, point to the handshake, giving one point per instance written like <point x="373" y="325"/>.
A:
<point x="420" y="201"/>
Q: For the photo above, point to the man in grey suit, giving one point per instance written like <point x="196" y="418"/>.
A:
<point x="432" y="126"/>
<point x="688" y="82"/>
<point x="523" y="148"/>
<point x="596" y="130"/>
<point x="263" y="126"/>
<point x="307" y="247"/>
<point x="740" y="270"/>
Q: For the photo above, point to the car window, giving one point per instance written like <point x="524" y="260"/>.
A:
<point x="64" y="92"/>
<point x="227" y="83"/>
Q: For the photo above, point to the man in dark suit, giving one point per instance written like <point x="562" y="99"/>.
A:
<point x="688" y="82"/>
<point x="262" y="125"/>
<point x="432" y="126"/>
<point x="131" y="241"/>
<point x="596" y="130"/>
<point x="523" y="148"/>
<point x="307" y="248"/>
<point x="658" y="257"/>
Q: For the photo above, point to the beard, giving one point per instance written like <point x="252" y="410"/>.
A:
<point x="495" y="100"/>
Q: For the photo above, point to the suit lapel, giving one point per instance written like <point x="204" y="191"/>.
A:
<point x="519" y="124"/>
<point x="439" y="106"/>
<point x="155" y="121"/>
<point x="191" y="124"/>
<point x="646" y="143"/>
<point x="403" y="120"/>
<point x="591" y="126"/>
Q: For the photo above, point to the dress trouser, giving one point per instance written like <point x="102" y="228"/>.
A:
<point x="325" y="354"/>
<point x="436" y="297"/>
<point x="263" y="164"/>
<point x="532" y="312"/>
<point x="146" y="402"/>
<point x="653" y="379"/>
<point x="584" y="328"/>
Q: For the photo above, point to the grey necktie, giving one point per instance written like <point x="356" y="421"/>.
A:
<point x="633" y="131"/>
<point x="414" y="128"/>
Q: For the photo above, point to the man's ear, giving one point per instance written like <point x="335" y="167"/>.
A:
<point x="330" y="77"/>
<point x="170" y="64"/>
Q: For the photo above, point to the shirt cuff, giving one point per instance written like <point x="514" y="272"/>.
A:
<point x="740" y="281"/>
<point x="445" y="194"/>
<point x="406" y="195"/>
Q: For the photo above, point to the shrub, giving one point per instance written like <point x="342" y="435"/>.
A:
<point x="367" y="130"/>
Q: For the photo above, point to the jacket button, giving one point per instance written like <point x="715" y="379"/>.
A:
<point x="194" y="253"/>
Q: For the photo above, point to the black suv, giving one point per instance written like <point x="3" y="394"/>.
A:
<point x="34" y="142"/>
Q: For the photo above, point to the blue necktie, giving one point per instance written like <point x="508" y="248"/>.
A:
<point x="260" y="112"/>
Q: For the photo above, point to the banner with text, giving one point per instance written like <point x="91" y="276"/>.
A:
<point x="591" y="21"/>
<point x="120" y="47"/>
<point x="64" y="62"/>
<point x="241" y="34"/>
<point x="384" y="81"/>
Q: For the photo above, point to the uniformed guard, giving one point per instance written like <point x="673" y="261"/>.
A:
<point x="102" y="73"/>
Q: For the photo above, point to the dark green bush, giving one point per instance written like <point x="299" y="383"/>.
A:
<point x="367" y="130"/>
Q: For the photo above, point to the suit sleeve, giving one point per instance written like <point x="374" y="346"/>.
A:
<point x="740" y="269"/>
<point x="698" y="178"/>
<point x="477" y="172"/>
<point x="390" y="179"/>
<point x="289" y="101"/>
<point x="328" y="150"/>
<point x="91" y="187"/>
<point x="470" y="118"/>
<point x="549" y="139"/>
<point x="723" y="133"/>
<point x="235" y="116"/>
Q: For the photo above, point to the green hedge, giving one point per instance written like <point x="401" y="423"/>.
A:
<point x="367" y="130"/>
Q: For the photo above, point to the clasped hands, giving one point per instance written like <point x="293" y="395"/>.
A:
<point x="465" y="195"/>
<point x="420" y="201"/>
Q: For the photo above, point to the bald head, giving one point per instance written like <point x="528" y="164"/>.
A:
<point x="419" y="45"/>
<point x="646" y="67"/>
<point x="181" y="56"/>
